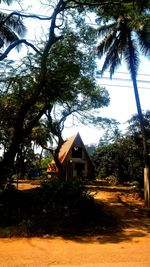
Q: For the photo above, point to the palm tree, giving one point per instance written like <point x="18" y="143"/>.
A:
<point x="11" y="27"/>
<point x="8" y="2"/>
<point x="125" y="36"/>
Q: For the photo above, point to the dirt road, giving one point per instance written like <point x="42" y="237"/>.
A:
<point x="59" y="252"/>
<point x="127" y="249"/>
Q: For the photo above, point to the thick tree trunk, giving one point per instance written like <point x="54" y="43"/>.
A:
<point x="19" y="133"/>
<point x="7" y="164"/>
<point x="147" y="187"/>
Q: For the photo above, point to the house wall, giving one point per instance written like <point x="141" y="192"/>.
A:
<point x="73" y="165"/>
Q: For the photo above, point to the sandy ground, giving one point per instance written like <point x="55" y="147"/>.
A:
<point x="127" y="249"/>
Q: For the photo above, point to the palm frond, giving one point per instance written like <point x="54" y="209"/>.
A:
<point x="122" y="37"/>
<point x="106" y="29"/>
<point x="14" y="22"/>
<point x="110" y="39"/>
<point x="8" y="35"/>
<point x="8" y="2"/>
<point x="116" y="62"/>
<point x="131" y="55"/>
<point x="17" y="25"/>
<point x="113" y="60"/>
<point x="113" y="55"/>
<point x="1" y="42"/>
<point x="105" y="44"/>
<point x="100" y="49"/>
<point x="106" y="64"/>
<point x="144" y="41"/>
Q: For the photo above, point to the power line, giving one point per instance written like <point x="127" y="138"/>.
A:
<point x="123" y="72"/>
<point x="124" y="79"/>
<point x="125" y="86"/>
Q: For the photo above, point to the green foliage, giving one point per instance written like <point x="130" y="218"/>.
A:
<point x="65" y="196"/>
<point x="12" y="28"/>
<point x="123" y="157"/>
<point x="44" y="161"/>
<point x="68" y="87"/>
<point x="109" y="160"/>
<point x="125" y="35"/>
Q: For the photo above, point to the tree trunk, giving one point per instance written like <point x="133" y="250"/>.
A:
<point x="132" y="66"/>
<point x="147" y="187"/>
<point x="7" y="164"/>
<point x="61" y="171"/>
<point x="145" y="147"/>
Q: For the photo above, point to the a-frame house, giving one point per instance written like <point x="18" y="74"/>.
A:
<point x="75" y="160"/>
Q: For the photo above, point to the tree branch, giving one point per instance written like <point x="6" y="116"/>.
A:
<point x="93" y="4"/>
<point x="32" y="123"/>
<point x="16" y="43"/>
<point x="33" y="16"/>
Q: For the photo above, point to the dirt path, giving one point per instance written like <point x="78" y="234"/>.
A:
<point x="126" y="249"/>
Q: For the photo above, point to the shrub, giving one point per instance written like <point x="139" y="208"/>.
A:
<point x="57" y="207"/>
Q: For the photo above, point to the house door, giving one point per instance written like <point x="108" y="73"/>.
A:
<point x="80" y="169"/>
<point x="69" y="171"/>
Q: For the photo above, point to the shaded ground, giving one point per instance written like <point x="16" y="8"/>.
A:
<point x="130" y="207"/>
<point x="127" y="248"/>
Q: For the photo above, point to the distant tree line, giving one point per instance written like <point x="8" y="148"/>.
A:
<point x="121" y="155"/>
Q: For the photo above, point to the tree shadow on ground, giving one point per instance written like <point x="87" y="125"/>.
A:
<point x="134" y="223"/>
<point x="113" y="221"/>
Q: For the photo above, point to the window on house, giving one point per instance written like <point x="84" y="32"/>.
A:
<point x="76" y="152"/>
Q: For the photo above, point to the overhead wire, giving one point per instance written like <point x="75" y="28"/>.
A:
<point x="124" y="79"/>
<point x="124" y="86"/>
<point x="123" y="72"/>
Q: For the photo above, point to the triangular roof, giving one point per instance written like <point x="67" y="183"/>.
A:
<point x="66" y="147"/>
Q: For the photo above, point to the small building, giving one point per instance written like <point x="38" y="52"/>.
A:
<point x="75" y="160"/>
